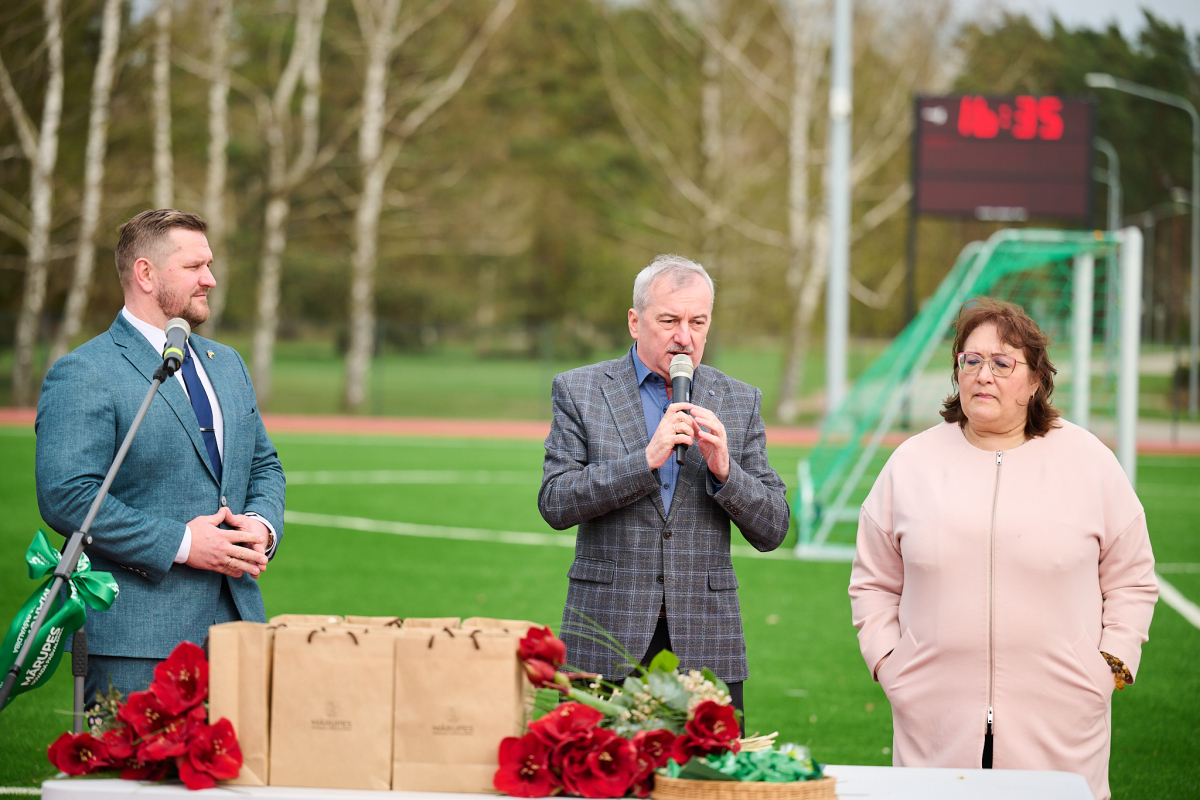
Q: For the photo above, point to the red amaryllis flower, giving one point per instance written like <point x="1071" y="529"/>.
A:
<point x="714" y="726"/>
<point x="525" y="768"/>
<point x="144" y="713"/>
<point x="653" y="751"/>
<point x="78" y="754"/>
<point x="120" y="744"/>
<point x="564" y="720"/>
<point x="171" y="740"/>
<point x="542" y="674"/>
<point x="213" y="754"/>
<point x="598" y="763"/>
<point x="181" y="681"/>
<point x="685" y="747"/>
<point x="543" y="645"/>
<point x="156" y="771"/>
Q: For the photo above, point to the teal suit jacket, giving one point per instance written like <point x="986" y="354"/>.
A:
<point x="87" y="404"/>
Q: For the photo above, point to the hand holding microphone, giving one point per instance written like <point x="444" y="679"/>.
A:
<point x="681" y="371"/>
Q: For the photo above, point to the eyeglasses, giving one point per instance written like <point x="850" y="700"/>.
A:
<point x="1001" y="366"/>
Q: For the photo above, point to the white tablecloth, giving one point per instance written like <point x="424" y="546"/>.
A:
<point x="870" y="783"/>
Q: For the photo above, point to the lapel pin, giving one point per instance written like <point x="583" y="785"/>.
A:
<point x="210" y="354"/>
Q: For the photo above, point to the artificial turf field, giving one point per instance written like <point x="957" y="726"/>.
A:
<point x="424" y="527"/>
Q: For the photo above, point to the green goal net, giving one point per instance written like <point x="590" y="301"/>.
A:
<point x="1068" y="282"/>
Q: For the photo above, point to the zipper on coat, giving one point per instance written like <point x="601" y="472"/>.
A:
<point x="987" y="739"/>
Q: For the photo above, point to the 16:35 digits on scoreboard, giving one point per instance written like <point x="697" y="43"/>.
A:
<point x="1027" y="118"/>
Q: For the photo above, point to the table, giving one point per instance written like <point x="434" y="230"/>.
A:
<point x="867" y="783"/>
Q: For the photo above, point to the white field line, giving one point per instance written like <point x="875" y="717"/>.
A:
<point x="1175" y="599"/>
<point x="25" y="790"/>
<point x="1160" y="568"/>
<point x="463" y="534"/>
<point x="409" y="476"/>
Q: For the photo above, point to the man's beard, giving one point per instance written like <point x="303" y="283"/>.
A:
<point x="185" y="306"/>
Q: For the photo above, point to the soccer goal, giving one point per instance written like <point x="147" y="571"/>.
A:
<point x="1083" y="289"/>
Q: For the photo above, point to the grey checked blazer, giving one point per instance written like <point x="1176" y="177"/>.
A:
<point x="631" y="554"/>
<point x="87" y="404"/>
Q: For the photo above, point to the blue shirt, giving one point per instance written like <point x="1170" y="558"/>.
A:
<point x="653" y="390"/>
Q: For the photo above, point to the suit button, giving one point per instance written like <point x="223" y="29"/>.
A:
<point x="659" y="579"/>
<point x="224" y="502"/>
<point x="666" y="534"/>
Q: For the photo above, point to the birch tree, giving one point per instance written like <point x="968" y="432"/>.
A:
<point x="40" y="146"/>
<point x="218" y="158"/>
<point x="284" y="172"/>
<point x="93" y="179"/>
<point x="384" y="32"/>
<point x="164" y="166"/>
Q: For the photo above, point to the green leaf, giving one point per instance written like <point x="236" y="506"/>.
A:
<point x="665" y="661"/>
<point x="544" y="702"/>
<point x="697" y="770"/>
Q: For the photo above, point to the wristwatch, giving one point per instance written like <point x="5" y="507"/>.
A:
<point x="270" y="541"/>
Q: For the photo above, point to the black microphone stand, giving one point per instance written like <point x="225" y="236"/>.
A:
<point x="70" y="559"/>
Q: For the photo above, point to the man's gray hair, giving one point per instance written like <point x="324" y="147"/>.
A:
<point x="679" y="271"/>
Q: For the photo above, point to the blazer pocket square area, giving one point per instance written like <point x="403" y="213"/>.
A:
<point x="596" y="570"/>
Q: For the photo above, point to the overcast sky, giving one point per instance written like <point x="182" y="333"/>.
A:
<point x="1094" y="13"/>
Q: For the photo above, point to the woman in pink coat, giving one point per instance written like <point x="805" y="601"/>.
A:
<point x="1004" y="582"/>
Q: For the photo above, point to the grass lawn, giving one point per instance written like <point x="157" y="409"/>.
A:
<point x="808" y="681"/>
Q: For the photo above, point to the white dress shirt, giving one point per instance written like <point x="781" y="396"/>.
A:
<point x="157" y="338"/>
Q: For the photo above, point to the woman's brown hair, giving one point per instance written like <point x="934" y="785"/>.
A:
<point x="1015" y="329"/>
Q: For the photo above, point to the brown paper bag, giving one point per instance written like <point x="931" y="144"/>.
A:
<point x="239" y="689"/>
<point x="305" y="620"/>
<point x="436" y="623"/>
<point x="457" y="696"/>
<point x="387" y="622"/>
<point x="520" y="627"/>
<point x="332" y="708"/>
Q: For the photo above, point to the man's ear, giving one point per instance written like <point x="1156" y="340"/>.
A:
<point x="633" y="323"/>
<point x="144" y="275"/>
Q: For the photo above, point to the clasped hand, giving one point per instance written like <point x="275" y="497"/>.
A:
<point x="701" y="427"/>
<point x="232" y="551"/>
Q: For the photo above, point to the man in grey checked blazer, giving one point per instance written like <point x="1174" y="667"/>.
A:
<point x="644" y="569"/>
<point x="184" y="537"/>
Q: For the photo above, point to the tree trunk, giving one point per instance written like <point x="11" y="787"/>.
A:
<point x="303" y="63"/>
<point x="362" y="283"/>
<point x="164" y="168"/>
<point x="378" y="24"/>
<point x="41" y="191"/>
<point x="712" y="146"/>
<point x="805" y="73"/>
<point x="218" y="162"/>
<point x="262" y="350"/>
<point x="93" y="180"/>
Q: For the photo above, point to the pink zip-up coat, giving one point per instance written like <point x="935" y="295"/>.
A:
<point x="995" y="579"/>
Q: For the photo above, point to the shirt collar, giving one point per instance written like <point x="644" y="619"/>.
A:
<point x="155" y="336"/>
<point x="640" y="369"/>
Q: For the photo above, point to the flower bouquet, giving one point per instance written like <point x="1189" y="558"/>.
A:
<point x="660" y="731"/>
<point x="158" y="733"/>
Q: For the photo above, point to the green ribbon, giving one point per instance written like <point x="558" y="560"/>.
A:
<point x="85" y="589"/>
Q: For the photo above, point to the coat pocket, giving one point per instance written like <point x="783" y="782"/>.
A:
<point x="596" y="570"/>
<point x="896" y="662"/>
<point x="1094" y="665"/>
<point x="722" y="578"/>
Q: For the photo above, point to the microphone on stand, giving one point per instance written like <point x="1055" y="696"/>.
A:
<point x="178" y="332"/>
<point x="681" y="371"/>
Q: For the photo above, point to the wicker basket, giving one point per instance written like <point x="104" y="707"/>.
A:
<point x="682" y="789"/>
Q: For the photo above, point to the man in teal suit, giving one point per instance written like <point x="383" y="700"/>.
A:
<point x="196" y="511"/>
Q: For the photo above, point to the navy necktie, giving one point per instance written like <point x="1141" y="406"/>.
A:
<point x="203" y="410"/>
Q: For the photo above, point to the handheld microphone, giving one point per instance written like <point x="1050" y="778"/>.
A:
<point x="178" y="332"/>
<point x="681" y="371"/>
